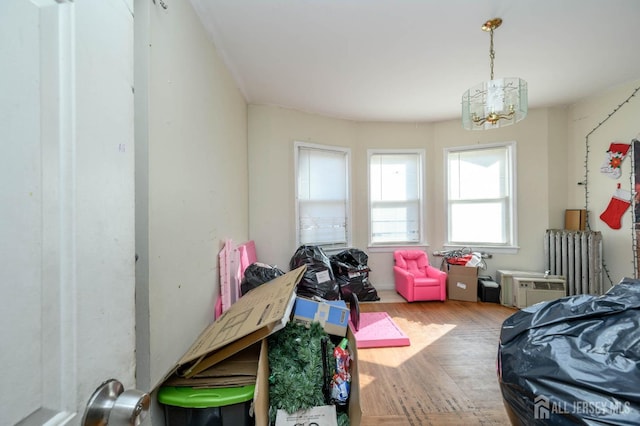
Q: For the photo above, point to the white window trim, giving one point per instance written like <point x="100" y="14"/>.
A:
<point x="511" y="248"/>
<point x="296" y="147"/>
<point x="387" y="247"/>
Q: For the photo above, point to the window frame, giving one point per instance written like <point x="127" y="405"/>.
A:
<point x="511" y="246"/>
<point x="298" y="145"/>
<point x="422" y="240"/>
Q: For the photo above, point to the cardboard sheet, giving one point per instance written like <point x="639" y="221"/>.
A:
<point x="238" y="370"/>
<point x="261" y="312"/>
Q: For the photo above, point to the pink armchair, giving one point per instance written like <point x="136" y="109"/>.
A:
<point x="416" y="279"/>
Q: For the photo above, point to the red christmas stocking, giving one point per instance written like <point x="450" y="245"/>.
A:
<point x="619" y="204"/>
<point x="615" y="154"/>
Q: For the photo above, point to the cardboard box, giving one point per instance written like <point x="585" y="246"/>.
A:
<point x="575" y="219"/>
<point x="261" y="399"/>
<point x="462" y="283"/>
<point x="261" y="312"/>
<point x="332" y="315"/>
<point x="316" y="416"/>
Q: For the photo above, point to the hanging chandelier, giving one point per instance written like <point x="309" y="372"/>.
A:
<point x="495" y="103"/>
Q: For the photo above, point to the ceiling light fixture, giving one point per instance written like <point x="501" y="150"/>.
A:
<point x="494" y="103"/>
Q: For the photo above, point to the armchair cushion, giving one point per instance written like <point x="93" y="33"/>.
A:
<point x="413" y="261"/>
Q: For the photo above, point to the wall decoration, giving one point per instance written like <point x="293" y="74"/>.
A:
<point x="615" y="155"/>
<point x="618" y="205"/>
<point x="585" y="182"/>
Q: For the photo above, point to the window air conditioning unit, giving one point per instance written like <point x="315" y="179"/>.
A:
<point x="505" y="279"/>
<point x="529" y="291"/>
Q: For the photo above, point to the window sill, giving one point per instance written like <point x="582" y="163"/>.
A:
<point x="485" y="249"/>
<point x="390" y="248"/>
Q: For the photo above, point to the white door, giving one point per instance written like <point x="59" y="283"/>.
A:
<point x="66" y="206"/>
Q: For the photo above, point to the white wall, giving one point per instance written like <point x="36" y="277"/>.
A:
<point x="621" y="126"/>
<point x="534" y="179"/>
<point x="272" y="132"/>
<point x="384" y="136"/>
<point x="192" y="181"/>
<point x="547" y="163"/>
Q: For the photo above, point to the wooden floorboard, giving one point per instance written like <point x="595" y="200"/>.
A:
<point x="447" y="376"/>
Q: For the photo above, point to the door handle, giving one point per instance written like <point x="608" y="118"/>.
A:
<point x="111" y="405"/>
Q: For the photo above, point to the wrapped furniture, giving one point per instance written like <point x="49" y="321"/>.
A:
<point x="574" y="360"/>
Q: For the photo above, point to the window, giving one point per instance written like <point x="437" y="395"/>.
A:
<point x="395" y="197"/>
<point x="322" y="196"/>
<point x="480" y="196"/>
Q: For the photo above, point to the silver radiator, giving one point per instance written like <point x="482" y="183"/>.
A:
<point x="577" y="256"/>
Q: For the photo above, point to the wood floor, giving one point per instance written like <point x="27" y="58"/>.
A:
<point x="447" y="376"/>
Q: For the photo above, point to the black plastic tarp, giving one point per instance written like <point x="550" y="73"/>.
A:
<point x="574" y="360"/>
<point x="351" y="271"/>
<point x="318" y="279"/>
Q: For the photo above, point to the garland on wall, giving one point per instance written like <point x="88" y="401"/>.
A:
<point x="585" y="182"/>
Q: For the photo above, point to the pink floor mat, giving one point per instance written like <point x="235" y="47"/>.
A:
<point x="377" y="330"/>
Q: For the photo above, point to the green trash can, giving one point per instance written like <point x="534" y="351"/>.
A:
<point x="186" y="406"/>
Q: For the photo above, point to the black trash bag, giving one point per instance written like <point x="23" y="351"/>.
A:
<point x="257" y="274"/>
<point x="318" y="279"/>
<point x="574" y="360"/>
<point x="355" y="257"/>
<point x="352" y="274"/>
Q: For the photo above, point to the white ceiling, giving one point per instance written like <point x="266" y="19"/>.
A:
<point x="411" y="60"/>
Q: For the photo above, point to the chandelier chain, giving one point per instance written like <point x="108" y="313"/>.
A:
<point x="492" y="53"/>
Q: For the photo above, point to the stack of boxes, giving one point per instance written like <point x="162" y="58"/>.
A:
<point x="208" y="385"/>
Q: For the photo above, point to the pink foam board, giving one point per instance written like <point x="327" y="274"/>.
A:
<point x="247" y="254"/>
<point x="376" y="330"/>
